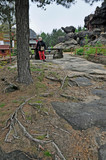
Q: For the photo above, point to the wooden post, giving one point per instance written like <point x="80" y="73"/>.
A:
<point x="96" y="52"/>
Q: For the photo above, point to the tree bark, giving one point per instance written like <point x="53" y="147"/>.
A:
<point x="10" y="34"/>
<point x="22" y="31"/>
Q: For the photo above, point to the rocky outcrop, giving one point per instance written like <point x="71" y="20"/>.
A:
<point x="95" y="33"/>
<point x="68" y="29"/>
<point x="98" y="19"/>
<point x="102" y="152"/>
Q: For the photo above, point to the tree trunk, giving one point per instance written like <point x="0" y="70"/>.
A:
<point x="10" y="34"/>
<point x="22" y="31"/>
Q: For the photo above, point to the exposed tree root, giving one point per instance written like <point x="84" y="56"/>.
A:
<point x="80" y="75"/>
<point x="63" y="81"/>
<point x="53" y="79"/>
<point x="13" y="120"/>
<point x="58" y="151"/>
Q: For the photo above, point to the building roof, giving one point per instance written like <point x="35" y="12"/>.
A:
<point x="32" y="42"/>
<point x="32" y="34"/>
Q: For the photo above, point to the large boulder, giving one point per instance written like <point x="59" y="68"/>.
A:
<point x="16" y="155"/>
<point x="70" y="35"/>
<point x="71" y="42"/>
<point x="100" y="40"/>
<point x="98" y="19"/>
<point x="102" y="152"/>
<point x="61" y="39"/>
<point x="82" y="116"/>
<point x="68" y="29"/>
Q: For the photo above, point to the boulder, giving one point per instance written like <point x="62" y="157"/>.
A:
<point x="68" y="29"/>
<point x="71" y="42"/>
<point x="82" y="116"/>
<point x="70" y="35"/>
<point x="61" y="39"/>
<point x="98" y="19"/>
<point x="101" y="40"/>
<point x="102" y="152"/>
<point x="16" y="155"/>
<point x="103" y="35"/>
<point x="60" y="45"/>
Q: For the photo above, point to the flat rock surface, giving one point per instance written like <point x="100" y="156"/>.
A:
<point x="82" y="116"/>
<point x="80" y="65"/>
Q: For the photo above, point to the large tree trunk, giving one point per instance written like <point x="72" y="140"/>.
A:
<point x="22" y="30"/>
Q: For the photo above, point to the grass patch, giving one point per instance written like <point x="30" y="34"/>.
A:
<point x="47" y="153"/>
<point x="54" y="74"/>
<point x="2" y="105"/>
<point x="33" y="69"/>
<point x="41" y="76"/>
<point x="14" y="101"/>
<point x="29" y="118"/>
<point x="12" y="69"/>
<point x="41" y="137"/>
<point x="38" y="102"/>
<point x="40" y="86"/>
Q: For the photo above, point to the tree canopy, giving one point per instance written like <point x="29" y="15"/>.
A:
<point x="65" y="3"/>
<point x="52" y="39"/>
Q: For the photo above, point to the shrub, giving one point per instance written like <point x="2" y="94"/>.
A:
<point x="80" y="51"/>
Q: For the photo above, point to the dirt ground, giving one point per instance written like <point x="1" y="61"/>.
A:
<point x="40" y="120"/>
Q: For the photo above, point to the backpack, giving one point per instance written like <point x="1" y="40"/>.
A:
<point x="42" y="48"/>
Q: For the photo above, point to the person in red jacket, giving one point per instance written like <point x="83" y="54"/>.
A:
<point x="41" y="48"/>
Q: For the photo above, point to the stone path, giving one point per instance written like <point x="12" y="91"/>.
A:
<point x="84" y="115"/>
<point x="92" y="111"/>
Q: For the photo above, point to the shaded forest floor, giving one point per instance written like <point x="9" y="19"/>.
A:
<point x="40" y="119"/>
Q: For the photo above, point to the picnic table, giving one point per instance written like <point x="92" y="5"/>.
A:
<point x="57" y="52"/>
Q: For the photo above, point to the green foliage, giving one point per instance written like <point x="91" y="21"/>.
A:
<point x="52" y="39"/>
<point x="80" y="51"/>
<point x="14" y="52"/>
<point x="7" y="17"/>
<point x="42" y="3"/>
<point x="39" y="101"/>
<point x="88" y="50"/>
<point x="41" y="137"/>
<point x="47" y="153"/>
<point x="3" y="63"/>
<point x="2" y="105"/>
<point x="86" y="39"/>
<point x="34" y="69"/>
<point x="79" y="29"/>
<point x="67" y="50"/>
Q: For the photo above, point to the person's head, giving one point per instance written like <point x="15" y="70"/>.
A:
<point x="40" y="38"/>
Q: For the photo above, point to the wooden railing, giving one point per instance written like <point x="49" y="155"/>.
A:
<point x="96" y="51"/>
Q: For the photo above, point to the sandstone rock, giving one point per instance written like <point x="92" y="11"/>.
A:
<point x="71" y="42"/>
<point x="68" y="29"/>
<point x="98" y="19"/>
<point x="102" y="152"/>
<point x="61" y="39"/>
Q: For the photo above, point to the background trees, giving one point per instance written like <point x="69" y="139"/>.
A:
<point x="52" y="38"/>
<point x="7" y="17"/>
